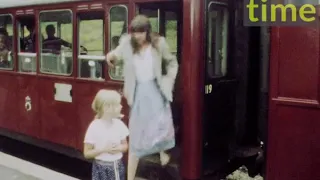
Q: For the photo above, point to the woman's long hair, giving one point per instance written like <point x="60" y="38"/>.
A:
<point x="140" y="23"/>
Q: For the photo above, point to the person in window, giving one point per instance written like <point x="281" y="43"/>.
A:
<point x="29" y="41"/>
<point x="4" y="48"/>
<point x="53" y="44"/>
<point x="148" y="90"/>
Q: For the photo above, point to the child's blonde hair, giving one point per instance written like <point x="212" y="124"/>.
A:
<point x="105" y="98"/>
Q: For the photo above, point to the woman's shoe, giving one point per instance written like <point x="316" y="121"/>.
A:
<point x="164" y="158"/>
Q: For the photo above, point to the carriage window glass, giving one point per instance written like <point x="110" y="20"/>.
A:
<point x="153" y="15"/>
<point x="171" y="31"/>
<point x="56" y="42"/>
<point x="6" y="42"/>
<point x="91" y="55"/>
<point x="301" y="2"/>
<point x="117" y="26"/>
<point x="217" y="33"/>
<point x="27" y="45"/>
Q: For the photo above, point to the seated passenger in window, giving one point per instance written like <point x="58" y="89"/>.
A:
<point x="29" y="41"/>
<point x="53" y="44"/>
<point x="4" y="48"/>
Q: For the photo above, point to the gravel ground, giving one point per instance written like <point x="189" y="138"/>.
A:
<point x="241" y="174"/>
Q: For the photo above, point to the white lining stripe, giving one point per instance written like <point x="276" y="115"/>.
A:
<point x="116" y="171"/>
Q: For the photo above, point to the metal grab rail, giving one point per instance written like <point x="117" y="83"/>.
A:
<point x="92" y="62"/>
<point x="92" y="57"/>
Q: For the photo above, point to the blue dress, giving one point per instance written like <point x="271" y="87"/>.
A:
<point x="150" y="123"/>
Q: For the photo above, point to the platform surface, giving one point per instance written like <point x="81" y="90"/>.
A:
<point x="12" y="174"/>
<point x="12" y="168"/>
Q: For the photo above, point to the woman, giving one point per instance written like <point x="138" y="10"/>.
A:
<point x="149" y="75"/>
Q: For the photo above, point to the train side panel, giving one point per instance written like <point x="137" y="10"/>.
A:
<point x="27" y="105"/>
<point x="59" y="122"/>
<point x="9" y="111"/>
<point x="294" y="114"/>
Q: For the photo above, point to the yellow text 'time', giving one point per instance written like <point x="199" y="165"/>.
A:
<point x="306" y="9"/>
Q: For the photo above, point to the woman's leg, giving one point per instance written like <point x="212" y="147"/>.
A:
<point x="164" y="158"/>
<point x="133" y="162"/>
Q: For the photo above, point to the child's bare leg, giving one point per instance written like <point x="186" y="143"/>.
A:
<point x="164" y="158"/>
<point x="133" y="162"/>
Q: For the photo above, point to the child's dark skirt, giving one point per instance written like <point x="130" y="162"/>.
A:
<point x="102" y="170"/>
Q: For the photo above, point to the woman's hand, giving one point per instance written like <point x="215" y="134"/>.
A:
<point x="110" y="60"/>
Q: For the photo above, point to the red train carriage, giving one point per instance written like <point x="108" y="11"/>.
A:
<point x="294" y="104"/>
<point x="221" y="99"/>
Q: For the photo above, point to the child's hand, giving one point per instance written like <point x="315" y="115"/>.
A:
<point x="110" y="148"/>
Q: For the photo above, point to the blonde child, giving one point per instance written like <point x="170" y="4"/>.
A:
<point x="106" y="137"/>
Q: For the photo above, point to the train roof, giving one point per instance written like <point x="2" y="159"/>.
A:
<point x="21" y="3"/>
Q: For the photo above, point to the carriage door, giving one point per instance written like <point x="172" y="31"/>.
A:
<point x="294" y="109"/>
<point x="220" y="89"/>
<point x="28" y="97"/>
<point x="56" y="88"/>
<point x="165" y="19"/>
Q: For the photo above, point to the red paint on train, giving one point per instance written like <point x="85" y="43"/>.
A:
<point x="294" y="104"/>
<point x="293" y="139"/>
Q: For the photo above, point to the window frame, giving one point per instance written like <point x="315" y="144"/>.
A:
<point x="40" y="41"/>
<point x="219" y="5"/>
<point x="35" y="54"/>
<point x="158" y="12"/>
<point x="285" y="2"/>
<point x="13" y="43"/>
<point x="112" y="78"/>
<point x="94" y="57"/>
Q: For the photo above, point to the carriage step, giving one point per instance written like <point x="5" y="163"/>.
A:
<point x="248" y="152"/>
<point x="139" y="178"/>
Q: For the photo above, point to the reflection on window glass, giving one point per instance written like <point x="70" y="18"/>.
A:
<point x="55" y="42"/>
<point x="91" y="45"/>
<point x="27" y="45"/>
<point x="6" y="42"/>
<point x="217" y="41"/>
<point x="118" y="25"/>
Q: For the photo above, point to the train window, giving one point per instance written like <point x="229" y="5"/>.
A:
<point x="91" y="55"/>
<point x="6" y="42"/>
<point x="300" y="2"/>
<point x="55" y="42"/>
<point x="26" y="45"/>
<point x="117" y="26"/>
<point x="217" y="33"/>
<point x="153" y="15"/>
<point x="163" y="21"/>
<point x="171" y="31"/>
